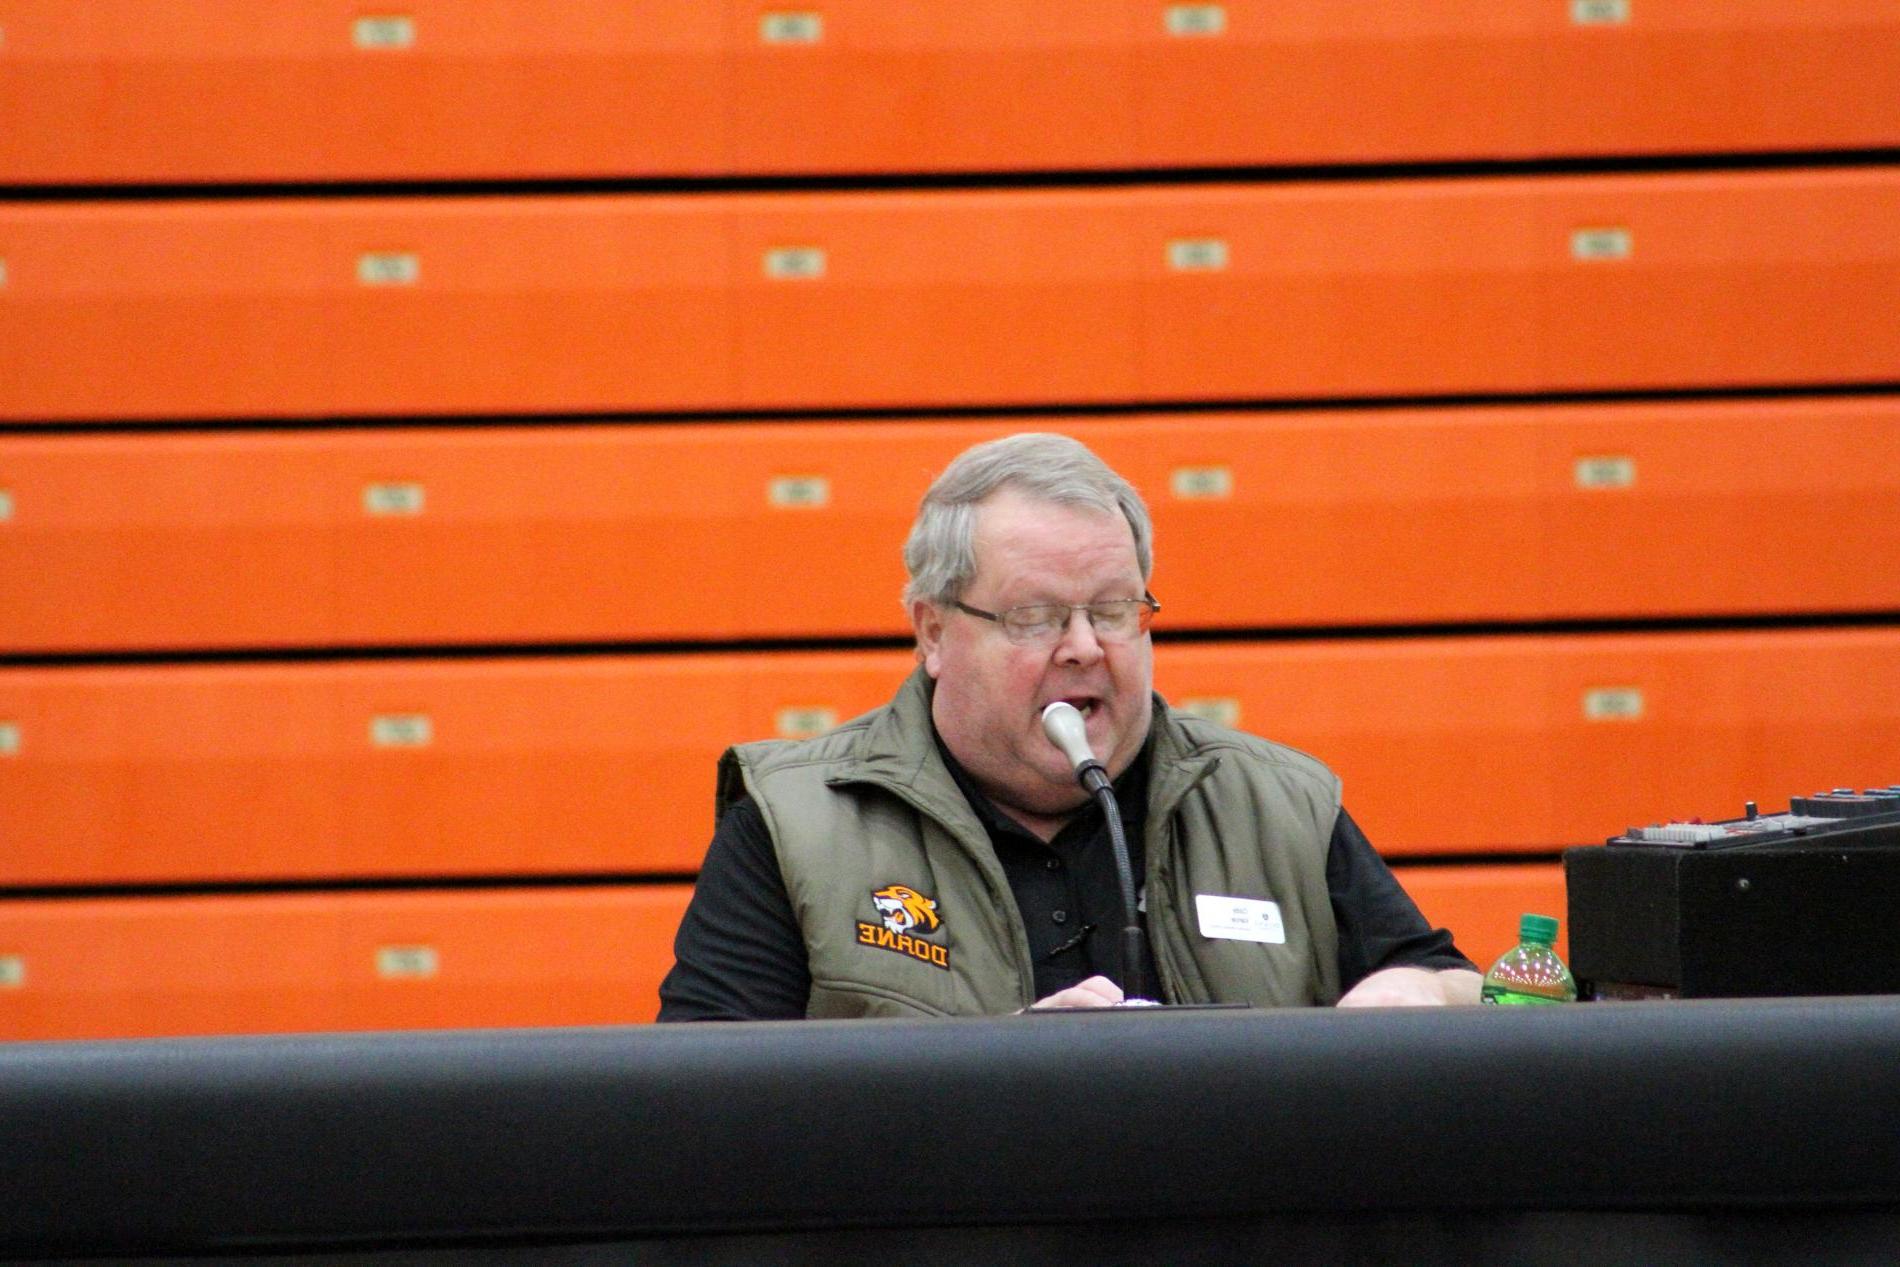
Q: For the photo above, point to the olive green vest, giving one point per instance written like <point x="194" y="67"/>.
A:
<point x="906" y="911"/>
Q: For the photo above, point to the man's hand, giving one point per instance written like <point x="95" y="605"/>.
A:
<point x="1413" y="987"/>
<point x="1094" y="992"/>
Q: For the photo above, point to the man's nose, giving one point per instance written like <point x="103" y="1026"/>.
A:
<point x="1079" y="645"/>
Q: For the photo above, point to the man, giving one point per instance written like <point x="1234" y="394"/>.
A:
<point x="937" y="855"/>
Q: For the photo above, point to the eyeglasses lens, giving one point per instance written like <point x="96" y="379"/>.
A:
<point x="1044" y="622"/>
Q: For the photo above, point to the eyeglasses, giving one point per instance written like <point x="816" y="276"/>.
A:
<point x="1114" y="620"/>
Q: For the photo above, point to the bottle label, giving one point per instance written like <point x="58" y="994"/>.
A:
<point x="1511" y="998"/>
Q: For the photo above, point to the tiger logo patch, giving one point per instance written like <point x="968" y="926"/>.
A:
<point x="904" y="908"/>
<point x="904" y="914"/>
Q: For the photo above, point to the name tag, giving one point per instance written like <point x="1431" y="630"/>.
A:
<point x="1240" y="919"/>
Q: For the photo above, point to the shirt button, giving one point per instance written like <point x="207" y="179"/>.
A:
<point x="1060" y="917"/>
<point x="1052" y="864"/>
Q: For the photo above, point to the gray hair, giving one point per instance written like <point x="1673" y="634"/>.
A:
<point x="940" y="554"/>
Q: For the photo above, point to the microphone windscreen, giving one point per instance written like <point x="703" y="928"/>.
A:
<point x="1063" y="723"/>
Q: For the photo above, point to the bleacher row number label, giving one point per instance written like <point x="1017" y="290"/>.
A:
<point x="1613" y="703"/>
<point x="1600" y="12"/>
<point x="1222" y="710"/>
<point x="803" y="723"/>
<point x="798" y="492"/>
<point x="407" y="963"/>
<point x="792" y="28"/>
<point x="9" y="739"/>
<point x="3" y="273"/>
<point x="395" y="499"/>
<point x="1188" y="20"/>
<point x="384" y="32"/>
<point x="1202" y="483"/>
<point x="388" y="268"/>
<point x="6" y="505"/>
<point x="1606" y="471"/>
<point x="1197" y="255"/>
<point x="1601" y="244"/>
<point x="12" y="972"/>
<point x="402" y="730"/>
<point x="795" y="263"/>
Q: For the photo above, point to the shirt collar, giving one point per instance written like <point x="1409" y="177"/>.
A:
<point x="1131" y="792"/>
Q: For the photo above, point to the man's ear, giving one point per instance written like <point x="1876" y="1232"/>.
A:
<point x="926" y="618"/>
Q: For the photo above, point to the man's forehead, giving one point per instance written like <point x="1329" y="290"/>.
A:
<point x="1009" y="516"/>
<point x="1021" y="536"/>
<point x="1045" y="559"/>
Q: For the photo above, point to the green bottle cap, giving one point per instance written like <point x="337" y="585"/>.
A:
<point x="1541" y="929"/>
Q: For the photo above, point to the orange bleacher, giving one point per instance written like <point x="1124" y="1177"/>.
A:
<point x="690" y="532"/>
<point x="604" y="765"/>
<point x="328" y="90"/>
<point x="122" y="967"/>
<point x="302" y="309"/>
<point x="1525" y="743"/>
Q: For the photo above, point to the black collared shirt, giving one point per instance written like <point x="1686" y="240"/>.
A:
<point x="1067" y="889"/>
<point x="739" y="954"/>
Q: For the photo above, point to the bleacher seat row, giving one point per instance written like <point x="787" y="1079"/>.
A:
<point x="759" y="302"/>
<point x="333" y="90"/>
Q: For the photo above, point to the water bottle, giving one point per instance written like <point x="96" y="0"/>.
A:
<point x="1531" y="972"/>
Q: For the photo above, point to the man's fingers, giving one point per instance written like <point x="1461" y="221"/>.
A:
<point x="1094" y="992"/>
<point x="1412" y="987"/>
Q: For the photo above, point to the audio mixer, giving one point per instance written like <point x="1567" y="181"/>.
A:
<point x="1799" y="902"/>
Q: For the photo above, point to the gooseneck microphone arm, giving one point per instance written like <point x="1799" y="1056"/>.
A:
<point x="1063" y="723"/>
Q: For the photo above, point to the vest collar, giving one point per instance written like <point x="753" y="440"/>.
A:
<point x="897" y="752"/>
<point x="1176" y="765"/>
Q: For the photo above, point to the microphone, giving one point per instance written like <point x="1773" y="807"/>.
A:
<point x="1063" y="723"/>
